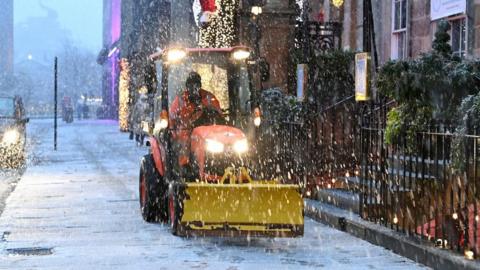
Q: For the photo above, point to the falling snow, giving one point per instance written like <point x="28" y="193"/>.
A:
<point x="83" y="204"/>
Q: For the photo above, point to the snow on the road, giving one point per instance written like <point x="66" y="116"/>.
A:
<point x="81" y="201"/>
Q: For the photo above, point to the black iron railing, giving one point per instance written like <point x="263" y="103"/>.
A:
<point x="286" y="150"/>
<point x="426" y="187"/>
<point x="429" y="189"/>
<point x="336" y="130"/>
<point x="316" y="151"/>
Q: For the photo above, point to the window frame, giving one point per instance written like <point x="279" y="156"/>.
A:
<point x="464" y="52"/>
<point x="397" y="33"/>
<point x="401" y="29"/>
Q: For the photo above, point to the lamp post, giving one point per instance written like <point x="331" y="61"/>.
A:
<point x="369" y="44"/>
<point x="256" y="9"/>
<point x="305" y="37"/>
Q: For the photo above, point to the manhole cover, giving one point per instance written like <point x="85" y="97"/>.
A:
<point x="30" y="251"/>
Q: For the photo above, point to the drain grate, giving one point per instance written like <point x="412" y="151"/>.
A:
<point x="30" y="251"/>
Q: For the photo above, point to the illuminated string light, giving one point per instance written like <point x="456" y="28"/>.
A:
<point x="124" y="95"/>
<point x="220" y="32"/>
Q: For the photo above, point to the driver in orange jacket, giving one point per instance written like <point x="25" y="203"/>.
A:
<point x="185" y="110"/>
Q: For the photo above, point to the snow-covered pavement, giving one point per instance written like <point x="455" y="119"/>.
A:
<point x="80" y="206"/>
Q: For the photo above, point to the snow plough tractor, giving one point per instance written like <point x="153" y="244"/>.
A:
<point x="219" y="194"/>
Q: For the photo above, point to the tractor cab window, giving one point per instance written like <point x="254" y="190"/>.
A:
<point x="243" y="91"/>
<point x="214" y="80"/>
<point x="157" y="100"/>
<point x="7" y="107"/>
<point x="228" y="81"/>
<point x="214" y="75"/>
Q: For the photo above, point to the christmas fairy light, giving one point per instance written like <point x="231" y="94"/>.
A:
<point x="124" y="96"/>
<point x="220" y="31"/>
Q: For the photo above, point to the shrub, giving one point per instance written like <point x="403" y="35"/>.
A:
<point x="428" y="89"/>
<point x="468" y="123"/>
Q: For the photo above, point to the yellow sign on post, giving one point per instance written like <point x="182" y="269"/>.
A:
<point x="362" y="85"/>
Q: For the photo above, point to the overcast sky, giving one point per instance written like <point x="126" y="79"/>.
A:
<point x="82" y="18"/>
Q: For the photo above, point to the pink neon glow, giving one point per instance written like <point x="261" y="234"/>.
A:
<point x="116" y="19"/>
<point x="115" y="32"/>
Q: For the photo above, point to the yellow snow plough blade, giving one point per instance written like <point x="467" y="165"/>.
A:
<point x="258" y="208"/>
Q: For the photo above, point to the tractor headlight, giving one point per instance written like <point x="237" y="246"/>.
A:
<point x="215" y="146"/>
<point x="163" y="124"/>
<point x="257" y="117"/>
<point x="11" y="137"/>
<point x="241" y="146"/>
<point x="257" y="121"/>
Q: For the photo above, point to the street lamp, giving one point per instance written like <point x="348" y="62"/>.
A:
<point x="257" y="10"/>
<point x="337" y="3"/>
<point x="257" y="6"/>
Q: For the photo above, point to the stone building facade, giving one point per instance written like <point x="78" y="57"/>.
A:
<point x="109" y="55"/>
<point x="272" y="32"/>
<point x="405" y="28"/>
<point x="132" y="30"/>
<point x="277" y="34"/>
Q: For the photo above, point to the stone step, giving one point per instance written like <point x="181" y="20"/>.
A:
<point x="418" y="176"/>
<point x="351" y="183"/>
<point x="354" y="184"/>
<point x="343" y="199"/>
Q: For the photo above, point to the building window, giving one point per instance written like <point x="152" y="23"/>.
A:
<point x="399" y="29"/>
<point x="458" y="34"/>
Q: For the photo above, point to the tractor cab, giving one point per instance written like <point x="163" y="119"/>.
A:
<point x="218" y="139"/>
<point x="224" y="73"/>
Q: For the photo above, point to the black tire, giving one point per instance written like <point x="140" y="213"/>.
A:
<point x="152" y="199"/>
<point x="174" y="211"/>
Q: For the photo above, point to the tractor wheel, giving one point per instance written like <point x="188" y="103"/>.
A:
<point x="174" y="212"/>
<point x="152" y="192"/>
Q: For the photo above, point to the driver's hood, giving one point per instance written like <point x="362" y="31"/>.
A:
<point x="224" y="134"/>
